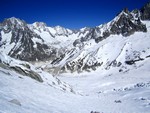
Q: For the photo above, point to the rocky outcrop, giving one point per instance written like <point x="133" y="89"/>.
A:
<point x="145" y="12"/>
<point x="126" y="24"/>
<point x="25" y="72"/>
<point x="28" y="45"/>
<point x="28" y="73"/>
<point x="0" y="38"/>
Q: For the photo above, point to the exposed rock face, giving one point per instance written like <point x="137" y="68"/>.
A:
<point x="28" y="73"/>
<point x="25" y="72"/>
<point x="126" y="24"/>
<point x="0" y="37"/>
<point x="145" y="12"/>
<point x="25" y="45"/>
<point x="136" y="13"/>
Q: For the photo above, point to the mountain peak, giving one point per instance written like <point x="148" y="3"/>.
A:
<point x="13" y="23"/>
<point x="145" y="12"/>
<point x="125" y="10"/>
<point x="61" y="30"/>
<point x="148" y="4"/>
<point x="58" y="27"/>
<point x="15" y="20"/>
<point x="126" y="24"/>
<point x="123" y="14"/>
<point x="39" y="24"/>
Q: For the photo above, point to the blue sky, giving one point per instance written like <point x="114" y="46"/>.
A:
<point x="73" y="14"/>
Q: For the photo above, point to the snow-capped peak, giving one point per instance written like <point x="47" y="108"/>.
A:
<point x="15" y="21"/>
<point x="39" y="24"/>
<point x="124" y="13"/>
<point x="61" y="30"/>
<point x="83" y="29"/>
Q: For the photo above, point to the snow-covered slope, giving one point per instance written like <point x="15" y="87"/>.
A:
<point x="103" y="91"/>
<point x="10" y="66"/>
<point x="115" y="44"/>
<point x="116" y="50"/>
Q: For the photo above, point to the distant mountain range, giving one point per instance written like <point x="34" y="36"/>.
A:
<point x="60" y="49"/>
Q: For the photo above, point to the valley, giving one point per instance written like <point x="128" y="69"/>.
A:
<point x="104" y="69"/>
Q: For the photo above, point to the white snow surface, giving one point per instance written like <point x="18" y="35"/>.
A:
<point x="102" y="91"/>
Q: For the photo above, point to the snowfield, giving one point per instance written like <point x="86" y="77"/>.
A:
<point x="104" y="91"/>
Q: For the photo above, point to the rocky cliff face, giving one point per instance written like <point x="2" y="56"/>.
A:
<point x="25" y="44"/>
<point x="126" y="24"/>
<point x="145" y="12"/>
<point x="0" y="37"/>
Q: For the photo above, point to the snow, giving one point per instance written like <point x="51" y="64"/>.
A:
<point x="6" y="39"/>
<point x="57" y="36"/>
<point x="114" y="48"/>
<point x="52" y="31"/>
<point x="117" y="47"/>
<point x="46" y="77"/>
<point x="15" y="20"/>
<point x="83" y="29"/>
<point x="107" y="91"/>
<point x="103" y="90"/>
<point x="36" y="40"/>
<point x="60" y="30"/>
<point x="96" y="93"/>
<point x="39" y="24"/>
